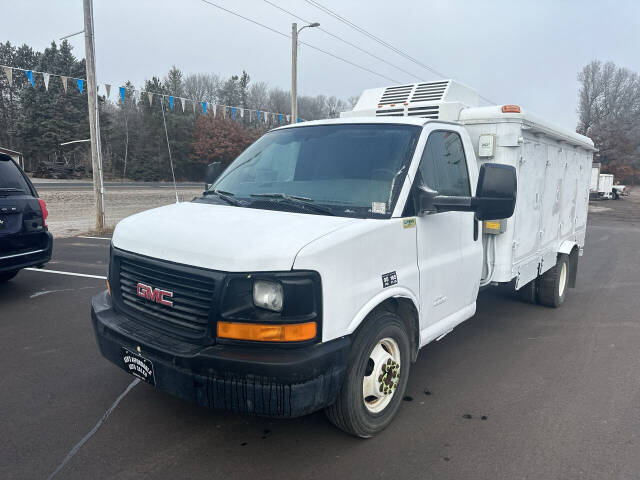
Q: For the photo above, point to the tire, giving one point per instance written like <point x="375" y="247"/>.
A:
<point x="614" y="195"/>
<point x="383" y="338"/>
<point x="554" y="283"/>
<point x="6" y="276"/>
<point x="528" y="293"/>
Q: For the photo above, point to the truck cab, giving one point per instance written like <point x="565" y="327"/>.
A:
<point x="318" y="263"/>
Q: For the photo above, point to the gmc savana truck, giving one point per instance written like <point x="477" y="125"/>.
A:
<point x="315" y="267"/>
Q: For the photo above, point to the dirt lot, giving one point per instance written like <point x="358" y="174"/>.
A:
<point x="72" y="212"/>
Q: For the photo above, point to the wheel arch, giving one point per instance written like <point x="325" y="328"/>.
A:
<point x="400" y="301"/>
<point x="572" y="249"/>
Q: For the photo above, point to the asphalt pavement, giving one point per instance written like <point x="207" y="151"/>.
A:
<point x="518" y="391"/>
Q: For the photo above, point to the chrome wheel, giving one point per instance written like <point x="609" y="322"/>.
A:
<point x="381" y="375"/>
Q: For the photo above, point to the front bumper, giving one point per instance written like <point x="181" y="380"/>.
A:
<point x="35" y="256"/>
<point x="258" y="380"/>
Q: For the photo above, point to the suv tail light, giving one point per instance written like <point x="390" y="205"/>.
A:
<point x="45" y="212"/>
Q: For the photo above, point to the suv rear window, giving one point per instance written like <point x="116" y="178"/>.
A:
<point x="11" y="176"/>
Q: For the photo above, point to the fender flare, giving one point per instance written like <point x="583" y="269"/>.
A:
<point x="387" y="293"/>
<point x="567" y="246"/>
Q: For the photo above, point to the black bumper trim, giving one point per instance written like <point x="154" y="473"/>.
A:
<point x="10" y="261"/>
<point x="254" y="380"/>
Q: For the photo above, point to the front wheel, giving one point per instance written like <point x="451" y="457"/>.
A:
<point x="376" y="377"/>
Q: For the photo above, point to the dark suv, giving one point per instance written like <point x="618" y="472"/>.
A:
<point x="24" y="238"/>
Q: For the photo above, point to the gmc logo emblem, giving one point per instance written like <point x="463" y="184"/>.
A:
<point x="156" y="295"/>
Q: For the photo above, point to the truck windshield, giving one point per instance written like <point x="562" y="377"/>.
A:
<point x="352" y="169"/>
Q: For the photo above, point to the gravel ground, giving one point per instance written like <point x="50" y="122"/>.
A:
<point x="72" y="212"/>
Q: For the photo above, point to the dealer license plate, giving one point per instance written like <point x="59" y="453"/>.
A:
<point x="138" y="366"/>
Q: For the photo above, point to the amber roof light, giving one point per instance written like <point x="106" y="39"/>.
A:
<point x="511" y="109"/>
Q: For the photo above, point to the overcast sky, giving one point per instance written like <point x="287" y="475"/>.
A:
<point x="524" y="52"/>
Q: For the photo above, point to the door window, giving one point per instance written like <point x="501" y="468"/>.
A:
<point x="443" y="166"/>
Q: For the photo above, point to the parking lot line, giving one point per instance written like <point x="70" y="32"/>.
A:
<point x="94" y="238"/>
<point x="72" y="274"/>
<point x="84" y="439"/>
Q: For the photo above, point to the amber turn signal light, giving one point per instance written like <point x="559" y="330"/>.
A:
<point x="261" y="332"/>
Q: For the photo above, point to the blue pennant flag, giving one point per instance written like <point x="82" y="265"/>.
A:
<point x="80" y="83"/>
<point x="299" y="119"/>
<point x="122" y="90"/>
<point x="280" y="119"/>
<point x="233" y="112"/>
<point x="29" y="75"/>
<point x="204" y="107"/>
<point x="171" y="102"/>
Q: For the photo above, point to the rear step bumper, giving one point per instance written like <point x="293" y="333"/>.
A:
<point x="10" y="261"/>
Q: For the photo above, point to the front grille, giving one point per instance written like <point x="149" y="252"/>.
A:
<point x="192" y="299"/>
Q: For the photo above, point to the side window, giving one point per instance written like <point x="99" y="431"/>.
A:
<point x="443" y="166"/>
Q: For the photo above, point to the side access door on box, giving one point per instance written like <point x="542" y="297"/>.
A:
<point x="449" y="247"/>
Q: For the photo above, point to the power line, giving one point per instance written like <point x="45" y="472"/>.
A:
<point x="345" y="41"/>
<point x="373" y="37"/>
<point x="303" y="43"/>
<point x="380" y="41"/>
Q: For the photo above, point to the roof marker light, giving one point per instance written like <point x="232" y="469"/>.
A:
<point x="511" y="109"/>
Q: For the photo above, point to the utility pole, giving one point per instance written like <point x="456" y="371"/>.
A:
<point x="294" y="67"/>
<point x="294" y="72"/>
<point x="94" y="119"/>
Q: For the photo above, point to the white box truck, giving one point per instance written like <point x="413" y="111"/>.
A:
<point x="605" y="186"/>
<point x="329" y="252"/>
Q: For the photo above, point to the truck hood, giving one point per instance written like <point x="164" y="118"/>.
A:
<point x="220" y="237"/>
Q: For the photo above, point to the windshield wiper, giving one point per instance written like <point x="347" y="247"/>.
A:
<point x="303" y="202"/>
<point x="11" y="189"/>
<point x="226" y="196"/>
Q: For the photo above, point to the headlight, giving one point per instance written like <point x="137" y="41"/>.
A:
<point x="267" y="295"/>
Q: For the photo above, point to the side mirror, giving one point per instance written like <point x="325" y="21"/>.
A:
<point x="213" y="172"/>
<point x="423" y="199"/>
<point x="496" y="192"/>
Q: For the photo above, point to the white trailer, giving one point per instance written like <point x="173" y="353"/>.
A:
<point x="595" y="177"/>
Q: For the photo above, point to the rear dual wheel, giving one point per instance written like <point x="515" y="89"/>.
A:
<point x="550" y="288"/>
<point x="376" y="378"/>
<point x="554" y="282"/>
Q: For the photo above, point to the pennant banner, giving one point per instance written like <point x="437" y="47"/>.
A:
<point x="29" y="75"/>
<point x="9" y="73"/>
<point x="226" y="111"/>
